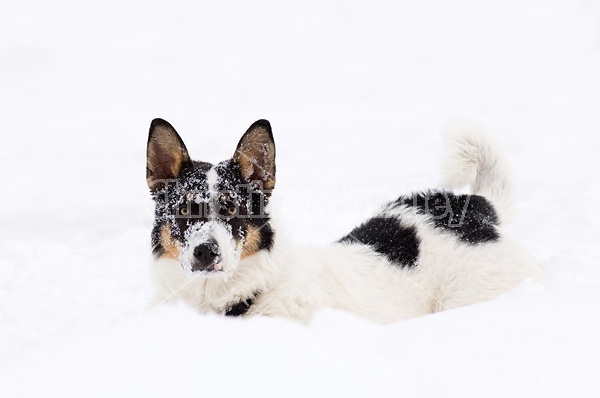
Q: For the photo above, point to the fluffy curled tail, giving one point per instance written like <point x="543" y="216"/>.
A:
<point x="472" y="159"/>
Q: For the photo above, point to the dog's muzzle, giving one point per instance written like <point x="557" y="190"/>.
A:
<point x="207" y="257"/>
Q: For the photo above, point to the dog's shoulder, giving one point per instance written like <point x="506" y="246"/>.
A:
<point x="390" y="237"/>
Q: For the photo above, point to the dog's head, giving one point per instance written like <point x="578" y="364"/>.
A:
<point x="209" y="217"/>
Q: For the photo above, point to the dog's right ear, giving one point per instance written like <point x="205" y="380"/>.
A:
<point x="166" y="154"/>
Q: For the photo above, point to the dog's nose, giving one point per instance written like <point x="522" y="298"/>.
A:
<point x="205" y="256"/>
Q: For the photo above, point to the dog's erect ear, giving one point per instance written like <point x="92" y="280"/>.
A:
<point x="166" y="154"/>
<point x="255" y="154"/>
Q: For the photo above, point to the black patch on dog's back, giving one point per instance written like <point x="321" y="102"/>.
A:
<point x="398" y="243"/>
<point x="472" y="218"/>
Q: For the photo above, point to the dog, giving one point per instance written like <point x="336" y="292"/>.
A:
<point x="216" y="247"/>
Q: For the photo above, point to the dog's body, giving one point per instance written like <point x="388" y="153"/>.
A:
<point x="419" y="254"/>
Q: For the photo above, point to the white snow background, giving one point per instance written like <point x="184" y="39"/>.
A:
<point x="357" y="92"/>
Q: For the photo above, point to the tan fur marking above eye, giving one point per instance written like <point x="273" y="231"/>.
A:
<point x="252" y="242"/>
<point x="169" y="244"/>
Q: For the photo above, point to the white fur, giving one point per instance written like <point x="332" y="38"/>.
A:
<point x="471" y="159"/>
<point x="296" y="282"/>
<point x="211" y="181"/>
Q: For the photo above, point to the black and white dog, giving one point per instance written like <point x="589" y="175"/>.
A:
<point x="215" y="245"/>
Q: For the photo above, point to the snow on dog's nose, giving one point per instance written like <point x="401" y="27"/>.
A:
<point x="209" y="247"/>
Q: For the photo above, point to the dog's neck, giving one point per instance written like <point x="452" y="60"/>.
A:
<point x="258" y="273"/>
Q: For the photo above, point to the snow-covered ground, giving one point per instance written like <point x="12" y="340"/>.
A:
<point x="357" y="92"/>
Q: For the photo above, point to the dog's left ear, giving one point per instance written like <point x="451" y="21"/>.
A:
<point x="255" y="154"/>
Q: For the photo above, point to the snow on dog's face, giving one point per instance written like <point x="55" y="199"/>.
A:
<point x="209" y="217"/>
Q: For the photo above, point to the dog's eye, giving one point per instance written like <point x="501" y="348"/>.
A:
<point x="228" y="208"/>
<point x="184" y="211"/>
